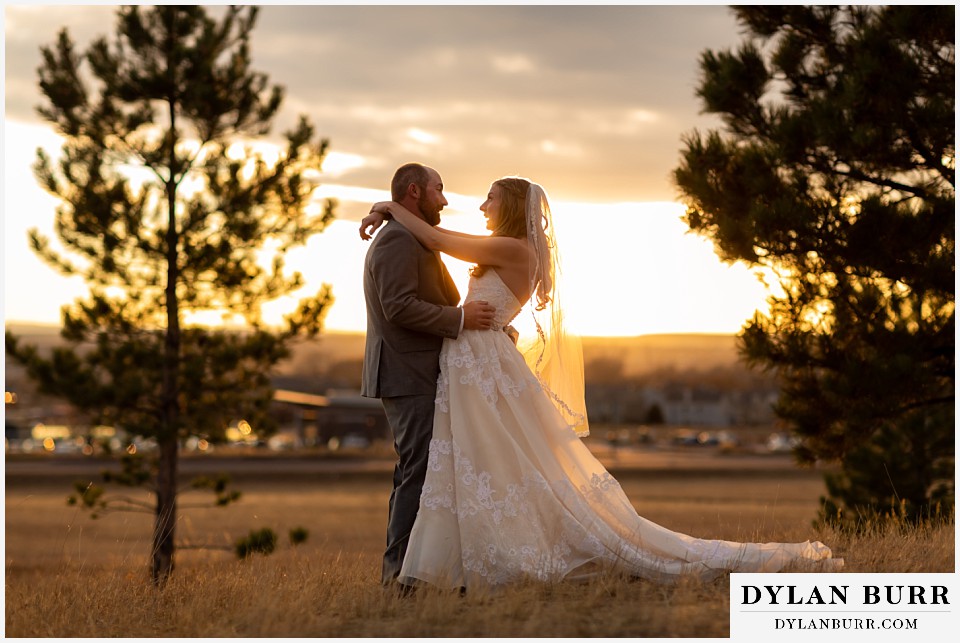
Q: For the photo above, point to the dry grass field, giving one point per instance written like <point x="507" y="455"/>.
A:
<point x="70" y="576"/>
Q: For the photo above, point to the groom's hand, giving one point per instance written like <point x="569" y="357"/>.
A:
<point x="478" y="315"/>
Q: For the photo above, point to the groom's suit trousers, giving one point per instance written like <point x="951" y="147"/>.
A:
<point x="411" y="418"/>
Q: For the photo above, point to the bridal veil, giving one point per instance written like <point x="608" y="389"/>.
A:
<point x="554" y="355"/>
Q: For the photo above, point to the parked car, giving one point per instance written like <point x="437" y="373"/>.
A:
<point x="781" y="442"/>
<point x="349" y="441"/>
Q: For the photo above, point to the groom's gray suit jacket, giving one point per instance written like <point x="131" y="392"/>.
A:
<point x="411" y="306"/>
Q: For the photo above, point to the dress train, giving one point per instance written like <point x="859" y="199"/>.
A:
<point x="512" y="493"/>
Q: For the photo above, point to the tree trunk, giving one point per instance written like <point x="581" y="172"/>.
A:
<point x="164" y="528"/>
<point x="166" y="517"/>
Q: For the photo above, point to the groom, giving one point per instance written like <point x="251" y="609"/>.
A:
<point x="411" y="307"/>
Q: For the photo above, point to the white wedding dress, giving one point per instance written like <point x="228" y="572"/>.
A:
<point x="512" y="493"/>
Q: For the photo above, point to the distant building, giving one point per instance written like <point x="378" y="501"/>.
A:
<point x="696" y="407"/>
<point x="317" y="419"/>
<point x="753" y="408"/>
<point x="704" y="406"/>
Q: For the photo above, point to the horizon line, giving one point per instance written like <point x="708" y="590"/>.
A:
<point x="8" y="323"/>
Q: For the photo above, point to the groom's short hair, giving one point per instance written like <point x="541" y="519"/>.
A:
<point x="414" y="173"/>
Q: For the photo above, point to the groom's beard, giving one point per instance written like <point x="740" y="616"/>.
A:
<point x="430" y="212"/>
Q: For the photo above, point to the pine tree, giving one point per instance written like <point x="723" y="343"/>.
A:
<point x="835" y="169"/>
<point x="166" y="209"/>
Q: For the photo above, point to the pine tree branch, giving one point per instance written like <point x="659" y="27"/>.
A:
<point x="126" y="503"/>
<point x="933" y="162"/>
<point x="889" y="183"/>
<point x="935" y="401"/>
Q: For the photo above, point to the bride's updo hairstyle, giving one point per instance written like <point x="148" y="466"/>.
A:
<point x="512" y="222"/>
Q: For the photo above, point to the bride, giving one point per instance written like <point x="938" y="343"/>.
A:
<point x="511" y="492"/>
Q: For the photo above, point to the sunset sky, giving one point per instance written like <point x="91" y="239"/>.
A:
<point x="590" y="102"/>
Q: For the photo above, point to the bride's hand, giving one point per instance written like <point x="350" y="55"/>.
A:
<point x="370" y="223"/>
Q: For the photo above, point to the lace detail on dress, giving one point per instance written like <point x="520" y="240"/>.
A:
<point x="481" y="494"/>
<point x="482" y="368"/>
<point x="510" y="515"/>
<point x="482" y="371"/>
<point x="704" y="549"/>
<point x="442" y="401"/>
<point x="599" y="486"/>
<point x="489" y="287"/>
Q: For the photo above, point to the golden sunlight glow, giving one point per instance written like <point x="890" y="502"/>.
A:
<point x="269" y="152"/>
<point x="850" y="206"/>
<point x="629" y="268"/>
<point x="338" y="163"/>
<point x="818" y="316"/>
<point x="188" y="146"/>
